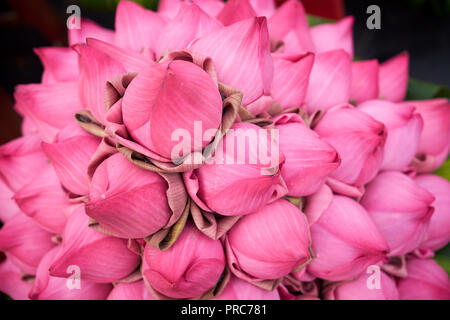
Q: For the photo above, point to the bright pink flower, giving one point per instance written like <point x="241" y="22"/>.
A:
<point x="290" y="25"/>
<point x="345" y="241"/>
<point x="263" y="7"/>
<point x="238" y="289"/>
<point x="190" y="23"/>
<point x="130" y="291"/>
<point x="364" y="80"/>
<point x="426" y="280"/>
<point x="404" y="127"/>
<point x="187" y="269"/>
<point x="128" y="201"/>
<point x="239" y="170"/>
<point x="20" y="160"/>
<point x="401" y="210"/>
<point x="269" y="243"/>
<point x="137" y="28"/>
<point x="309" y="159"/>
<point x="434" y="144"/>
<point x="438" y="234"/>
<point x="333" y="36"/>
<point x="290" y="78"/>
<point x="70" y="155"/>
<point x="393" y="78"/>
<point x="12" y="281"/>
<point x="361" y="288"/>
<point x="330" y="80"/>
<point x="60" y="65"/>
<point x="101" y="258"/>
<point x="46" y="287"/>
<point x="359" y="140"/>
<point x="241" y="55"/>
<point x="43" y="199"/>
<point x="151" y="106"/>
<point x="24" y="242"/>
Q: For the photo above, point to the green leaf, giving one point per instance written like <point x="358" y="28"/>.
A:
<point x="315" y="20"/>
<point x="110" y="5"/>
<point x="421" y="90"/>
<point x="444" y="170"/>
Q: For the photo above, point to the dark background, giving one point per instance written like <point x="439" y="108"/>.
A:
<point x="420" y="26"/>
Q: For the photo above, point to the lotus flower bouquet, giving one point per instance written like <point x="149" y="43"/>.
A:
<point x="216" y="150"/>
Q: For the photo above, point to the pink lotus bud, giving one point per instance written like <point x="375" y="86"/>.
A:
<point x="434" y="144"/>
<point x="309" y="159"/>
<point x="136" y="28"/>
<point x="12" y="280"/>
<point x="269" y="243"/>
<point x="345" y="241"/>
<point x="190" y="23"/>
<point x="20" y="160"/>
<point x="426" y="280"/>
<point x="24" y="242"/>
<point x="364" y="80"/>
<point x="99" y="258"/>
<point x="238" y="289"/>
<point x="330" y="80"/>
<point x="157" y="92"/>
<point x="126" y="200"/>
<point x="234" y="11"/>
<point x="60" y="65"/>
<point x="9" y="206"/>
<point x="41" y="103"/>
<point x="130" y="291"/>
<point x="89" y="29"/>
<point x="394" y="78"/>
<point x="290" y="25"/>
<point x="43" y="199"/>
<point x="290" y="78"/>
<point x="70" y="155"/>
<point x="240" y="169"/>
<point x="401" y="210"/>
<point x="333" y="36"/>
<point x="438" y="234"/>
<point x="46" y="287"/>
<point x="404" y="127"/>
<point x="359" y="139"/>
<point x="248" y="41"/>
<point x="366" y="287"/>
<point x="189" y="268"/>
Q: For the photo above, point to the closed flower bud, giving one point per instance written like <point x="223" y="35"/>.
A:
<point x="401" y="210"/>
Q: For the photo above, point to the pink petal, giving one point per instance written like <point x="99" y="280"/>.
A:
<point x="130" y="291"/>
<point x="60" y="64"/>
<point x="9" y="206"/>
<point x="43" y="199"/>
<point x="238" y="289"/>
<point x="241" y="55"/>
<point x="290" y="78"/>
<point x="290" y="25"/>
<point x="263" y="7"/>
<point x="96" y="68"/>
<point x="137" y="28"/>
<point x="89" y="29"/>
<point x="334" y="36"/>
<point x="190" y="23"/>
<point x="101" y="258"/>
<point x="330" y="81"/>
<point x="50" y="106"/>
<point x="364" y="80"/>
<point x="236" y="10"/>
<point x="393" y="78"/>
<point x="11" y="281"/>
